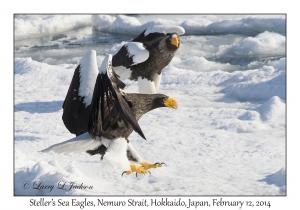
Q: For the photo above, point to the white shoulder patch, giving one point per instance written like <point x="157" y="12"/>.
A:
<point x="138" y="52"/>
<point x="165" y="29"/>
<point x="88" y="75"/>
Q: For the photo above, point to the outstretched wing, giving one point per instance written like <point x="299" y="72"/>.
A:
<point x="110" y="114"/>
<point x="76" y="107"/>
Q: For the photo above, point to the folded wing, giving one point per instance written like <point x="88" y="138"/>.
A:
<point x="145" y="56"/>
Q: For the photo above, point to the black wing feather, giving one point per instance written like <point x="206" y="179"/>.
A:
<point x="75" y="114"/>
<point x="114" y="77"/>
<point x="110" y="114"/>
<point x="121" y="58"/>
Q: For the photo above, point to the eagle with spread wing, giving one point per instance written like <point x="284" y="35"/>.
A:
<point x="103" y="116"/>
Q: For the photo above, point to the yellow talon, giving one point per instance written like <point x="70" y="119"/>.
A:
<point x="143" y="168"/>
<point x="126" y="172"/>
<point x="136" y="169"/>
<point x="147" y="165"/>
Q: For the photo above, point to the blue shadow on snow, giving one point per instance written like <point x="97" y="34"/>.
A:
<point x="39" y="107"/>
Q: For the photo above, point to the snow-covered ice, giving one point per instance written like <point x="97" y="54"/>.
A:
<point x="228" y="136"/>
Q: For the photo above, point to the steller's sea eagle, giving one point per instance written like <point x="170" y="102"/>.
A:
<point x="143" y="58"/>
<point x="103" y="116"/>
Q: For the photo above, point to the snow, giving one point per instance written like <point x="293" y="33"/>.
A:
<point x="27" y="26"/>
<point x="228" y="136"/>
<point x="277" y="179"/>
<point x="245" y="25"/>
<point x="273" y="109"/>
<point x="258" y="84"/>
<point x="33" y="25"/>
<point x="264" y="43"/>
<point x="165" y="29"/>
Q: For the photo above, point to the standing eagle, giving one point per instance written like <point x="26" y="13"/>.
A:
<point x="143" y="58"/>
<point x="103" y="116"/>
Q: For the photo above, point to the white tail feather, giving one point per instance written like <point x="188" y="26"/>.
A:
<point x="78" y="144"/>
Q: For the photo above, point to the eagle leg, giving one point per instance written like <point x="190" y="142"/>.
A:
<point x="100" y="150"/>
<point x="136" y="169"/>
<point x="146" y="165"/>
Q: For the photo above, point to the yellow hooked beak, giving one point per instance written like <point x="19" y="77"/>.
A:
<point x="175" y="41"/>
<point x="171" y="103"/>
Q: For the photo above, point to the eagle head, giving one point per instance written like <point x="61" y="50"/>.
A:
<point x="173" y="41"/>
